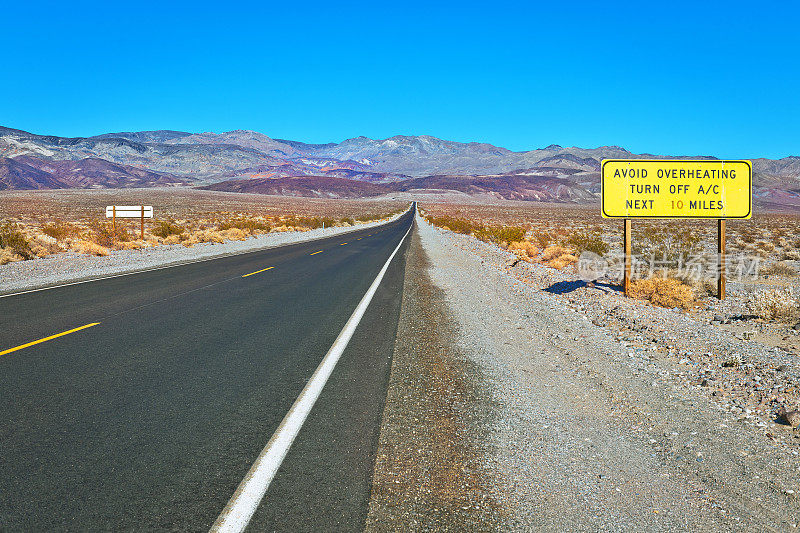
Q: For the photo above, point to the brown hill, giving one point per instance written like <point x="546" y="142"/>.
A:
<point x="510" y="186"/>
<point x="28" y="172"/>
<point x="308" y="186"/>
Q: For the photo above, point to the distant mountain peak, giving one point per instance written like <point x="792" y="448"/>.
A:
<point x="614" y="147"/>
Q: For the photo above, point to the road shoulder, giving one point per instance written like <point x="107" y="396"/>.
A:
<point x="430" y="470"/>
<point x="580" y="437"/>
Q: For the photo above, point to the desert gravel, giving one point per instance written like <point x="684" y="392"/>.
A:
<point x="600" y="417"/>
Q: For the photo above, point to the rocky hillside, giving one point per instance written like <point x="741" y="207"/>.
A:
<point x="29" y="172"/>
<point x="471" y="168"/>
<point x="506" y="186"/>
<point x="305" y="186"/>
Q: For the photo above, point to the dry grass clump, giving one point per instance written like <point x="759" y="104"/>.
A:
<point x="780" y="269"/>
<point x="108" y="236"/>
<point x="43" y="245"/>
<point x="764" y="246"/>
<point x="702" y="287"/>
<point x="664" y="292"/>
<point x="554" y="252"/>
<point x="249" y="225"/>
<point x="165" y="228"/>
<point x="295" y="221"/>
<point x="588" y="242"/>
<point x="60" y="230"/>
<point x="563" y="261"/>
<point x="543" y="238"/>
<point x="524" y="250"/>
<point x="88" y="247"/>
<point x="12" y="238"/>
<point x="558" y="257"/>
<point x="775" y="304"/>
<point x="7" y="255"/>
<point x="201" y="236"/>
<point x="497" y="234"/>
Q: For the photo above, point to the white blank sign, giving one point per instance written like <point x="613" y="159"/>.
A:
<point x="129" y="211"/>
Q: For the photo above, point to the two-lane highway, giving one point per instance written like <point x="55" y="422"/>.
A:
<point x="151" y="415"/>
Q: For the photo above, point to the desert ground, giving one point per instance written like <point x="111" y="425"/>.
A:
<point x="42" y="223"/>
<point x="523" y="395"/>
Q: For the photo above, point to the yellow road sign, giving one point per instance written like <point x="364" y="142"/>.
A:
<point x="676" y="188"/>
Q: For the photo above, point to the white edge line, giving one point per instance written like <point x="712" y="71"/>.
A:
<point x="248" y="495"/>
<point x="202" y="260"/>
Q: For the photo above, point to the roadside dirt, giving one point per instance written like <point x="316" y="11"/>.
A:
<point x="430" y="470"/>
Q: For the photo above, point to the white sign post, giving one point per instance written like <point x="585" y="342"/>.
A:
<point x="129" y="211"/>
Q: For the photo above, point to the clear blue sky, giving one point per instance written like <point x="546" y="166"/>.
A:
<point x="681" y="78"/>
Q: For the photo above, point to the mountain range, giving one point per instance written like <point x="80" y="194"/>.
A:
<point x="249" y="161"/>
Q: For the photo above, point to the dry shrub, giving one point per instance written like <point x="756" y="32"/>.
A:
<point x="234" y="234"/>
<point x="525" y="250"/>
<point x="206" y="235"/>
<point x="500" y="234"/>
<point x="7" y="255"/>
<point x="702" y="287"/>
<point x="131" y="245"/>
<point x="764" y="246"/>
<point x="780" y="269"/>
<point x="172" y="239"/>
<point x="542" y="238"/>
<point x="107" y="236"/>
<point x="664" y="292"/>
<point x="553" y="252"/>
<point x="88" y="247"/>
<point x="44" y="245"/>
<point x="497" y="234"/>
<point x="248" y="225"/>
<point x="11" y="237"/>
<point x="791" y="255"/>
<point x="588" y="242"/>
<point x="558" y="257"/>
<point x="60" y="230"/>
<point x="775" y="304"/>
<point x="311" y="222"/>
<point x="166" y="228"/>
<point x="563" y="261"/>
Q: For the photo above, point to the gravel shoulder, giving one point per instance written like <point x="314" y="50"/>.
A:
<point x="596" y="416"/>
<point x="430" y="472"/>
<point x="71" y="267"/>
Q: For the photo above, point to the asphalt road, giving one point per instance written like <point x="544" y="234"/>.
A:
<point x="151" y="418"/>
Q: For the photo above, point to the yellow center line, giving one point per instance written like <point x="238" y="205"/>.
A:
<point x="51" y="337"/>
<point x="257" y="271"/>
<point x="342" y="244"/>
<point x="315" y="253"/>
<point x="359" y="238"/>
